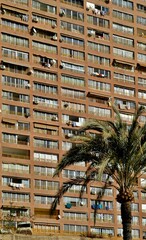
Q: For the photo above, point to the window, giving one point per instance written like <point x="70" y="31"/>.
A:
<point x="45" y="102"/>
<point x="72" y="93"/>
<point x="75" y="216"/>
<point x="16" y="182"/>
<point x="123" y="3"/>
<point x="6" y="52"/>
<point x="16" y="110"/>
<point x="75" y="201"/>
<point x="14" y="40"/>
<point x="72" y="41"/>
<point x="98" y="60"/>
<point x="15" y="197"/>
<point x="98" y="47"/>
<point x="46" y="185"/>
<point x="102" y="86"/>
<point x="141" y="57"/>
<point x="66" y="146"/>
<point x="75" y="228"/>
<point x="98" y="21"/>
<point x="75" y="28"/>
<point x="16" y="168"/>
<point x="45" y="75"/>
<point x="43" y="7"/>
<point x="74" y="107"/>
<point x="43" y="199"/>
<point x="15" y="68"/>
<point x="15" y="82"/>
<point x="142" y="94"/>
<point x="14" y="25"/>
<point x="45" y="116"/>
<point x="99" y="72"/>
<point x="142" y="81"/>
<point x="103" y="217"/>
<point x="98" y="34"/>
<point x="72" y="174"/>
<point x="77" y="3"/>
<point x="72" y="14"/>
<point x="40" y="227"/>
<point x="44" y="47"/>
<point x="141" y="20"/>
<point x="44" y="88"/>
<point x="15" y="96"/>
<point x="125" y="104"/>
<point x="43" y="143"/>
<point x="71" y="80"/>
<point x="124" y="91"/>
<point x="141" y="8"/>
<point x="101" y="112"/>
<point x="123" y="40"/>
<point x="73" y="67"/>
<point x="123" y="16"/>
<point x="45" y="157"/>
<point x="122" y="28"/>
<point x="44" y="20"/>
<point x="44" y="171"/>
<point x="72" y="53"/>
<point x="123" y="53"/>
<point x="124" y="77"/>
<point x="141" y="46"/>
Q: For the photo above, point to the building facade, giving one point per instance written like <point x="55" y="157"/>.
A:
<point x="63" y="62"/>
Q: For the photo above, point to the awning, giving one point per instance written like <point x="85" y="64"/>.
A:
<point x="14" y="9"/>
<point x="124" y="62"/>
<point x="7" y="120"/>
<point x="44" y="126"/>
<point x="143" y="64"/>
<point x="96" y="94"/>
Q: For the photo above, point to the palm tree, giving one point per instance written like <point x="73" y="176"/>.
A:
<point x="117" y="149"/>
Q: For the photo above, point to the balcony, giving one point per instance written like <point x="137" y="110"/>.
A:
<point x="76" y="3"/>
<point x="15" y="153"/>
<point x="24" y="3"/>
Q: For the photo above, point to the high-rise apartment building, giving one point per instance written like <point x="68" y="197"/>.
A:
<point x="62" y="62"/>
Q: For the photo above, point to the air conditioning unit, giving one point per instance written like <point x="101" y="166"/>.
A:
<point x="35" y="101"/>
<point x="52" y="61"/>
<point x="48" y="65"/>
<point x="95" y="11"/>
<point x="33" y="30"/>
<point x="54" y="25"/>
<point x="82" y="203"/>
<point x="2" y="67"/>
<point x="95" y="74"/>
<point x="54" y="37"/>
<point x="3" y="11"/>
<point x="61" y="40"/>
<point x="30" y="71"/>
<point x="70" y="135"/>
<point x="13" y="214"/>
<point x="119" y="235"/>
<point x="28" y="85"/>
<point x="27" y="115"/>
<point x="62" y="12"/>
<point x="62" y="65"/>
<point x="90" y="33"/>
<point x="35" y="19"/>
<point x="93" y="192"/>
<point x="55" y="118"/>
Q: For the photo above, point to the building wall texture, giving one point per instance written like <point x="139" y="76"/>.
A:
<point x="62" y="62"/>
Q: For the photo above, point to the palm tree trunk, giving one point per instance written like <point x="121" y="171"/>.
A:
<point x="126" y="220"/>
